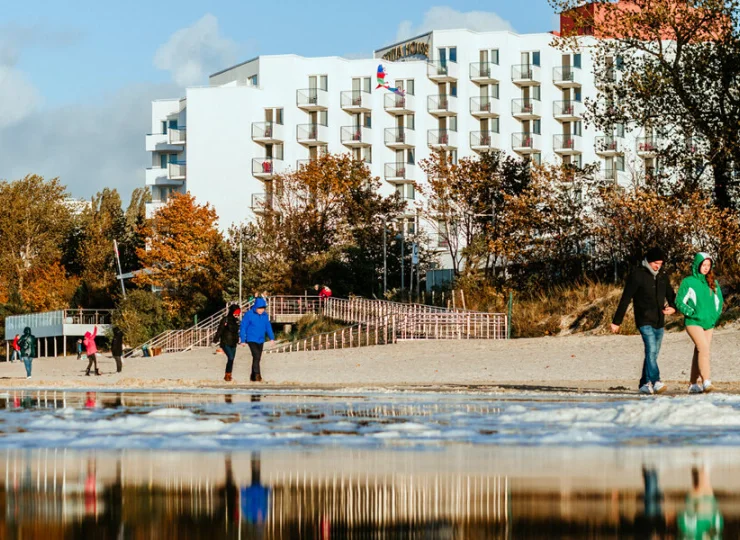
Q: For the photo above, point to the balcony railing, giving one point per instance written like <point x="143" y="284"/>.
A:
<point x="401" y="137"/>
<point x="484" y="106"/>
<point x="525" y="74"/>
<point x="312" y="99"/>
<point x="312" y="134"/>
<point x="442" y="105"/>
<point x="261" y="202"/>
<point x="566" y="76"/>
<point x="439" y="70"/>
<point x="566" y="144"/>
<point x="610" y="173"/>
<point x="356" y="136"/>
<point x="176" y="171"/>
<point x="442" y="138"/>
<point x="399" y="171"/>
<point x="567" y="109"/>
<point x="526" y="108"/>
<point x="267" y="167"/>
<point x="526" y="142"/>
<point x="484" y="72"/>
<point x="398" y="104"/>
<point x="485" y="140"/>
<point x="356" y="100"/>
<point x="267" y="132"/>
<point x="608" y="145"/>
<point x="177" y="136"/>
<point x="606" y="77"/>
<point x="647" y="145"/>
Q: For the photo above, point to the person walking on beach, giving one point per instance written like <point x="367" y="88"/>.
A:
<point x="227" y="336"/>
<point x="27" y="344"/>
<point x="255" y="324"/>
<point x="91" y="350"/>
<point x="700" y="301"/>
<point x="116" y="348"/>
<point x="79" y="348"/>
<point x="16" y="354"/>
<point x="653" y="298"/>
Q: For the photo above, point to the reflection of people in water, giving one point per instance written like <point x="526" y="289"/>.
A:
<point x="91" y="489"/>
<point x="255" y="496"/>
<point x="91" y="399"/>
<point x="652" y="520"/>
<point x="701" y="519"/>
<point x="229" y="495"/>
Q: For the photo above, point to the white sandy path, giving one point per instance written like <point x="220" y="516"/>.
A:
<point x="562" y="361"/>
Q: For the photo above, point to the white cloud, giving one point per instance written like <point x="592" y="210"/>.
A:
<point x="445" y="17"/>
<point x="18" y="96"/>
<point x="192" y="53"/>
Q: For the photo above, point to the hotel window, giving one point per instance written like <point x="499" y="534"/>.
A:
<point x="536" y="158"/>
<point x="494" y="91"/>
<point x="577" y="95"/>
<point x="368" y="120"/>
<point x="494" y="125"/>
<point x="279" y="116"/>
<point x="577" y="60"/>
<point x="536" y="93"/>
<point x="367" y="154"/>
<point x="577" y="161"/>
<point x="453" y="123"/>
<point x="537" y="127"/>
<point x="164" y="127"/>
<point x="366" y="85"/>
<point x="577" y="128"/>
<point x="494" y="56"/>
<point x="619" y="160"/>
<point x="405" y="84"/>
<point x="410" y="157"/>
<point x="453" y="89"/>
<point x="324" y="118"/>
<point x="453" y="54"/>
<point x="252" y="81"/>
<point x="324" y="82"/>
<point x="453" y="156"/>
<point x="536" y="58"/>
<point x="619" y="129"/>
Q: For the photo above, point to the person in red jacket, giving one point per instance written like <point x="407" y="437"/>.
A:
<point x="92" y="350"/>
<point x="16" y="355"/>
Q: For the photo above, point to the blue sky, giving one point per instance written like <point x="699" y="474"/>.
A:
<point x="77" y="76"/>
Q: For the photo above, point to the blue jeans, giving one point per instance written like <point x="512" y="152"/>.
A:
<point x="16" y="355"/>
<point x="230" y="354"/>
<point x="28" y="362"/>
<point x="652" y="338"/>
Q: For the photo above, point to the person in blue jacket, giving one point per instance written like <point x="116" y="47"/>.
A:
<point x="255" y="324"/>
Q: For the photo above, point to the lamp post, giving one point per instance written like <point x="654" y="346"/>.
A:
<point x="385" y="258"/>
<point x="401" y="238"/>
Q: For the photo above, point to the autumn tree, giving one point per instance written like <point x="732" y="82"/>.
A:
<point x="182" y="257"/>
<point x="672" y="68"/>
<point x="33" y="225"/>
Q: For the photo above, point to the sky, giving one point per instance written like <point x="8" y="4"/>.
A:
<point x="77" y="77"/>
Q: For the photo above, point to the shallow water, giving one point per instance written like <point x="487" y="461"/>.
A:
<point x="353" y="464"/>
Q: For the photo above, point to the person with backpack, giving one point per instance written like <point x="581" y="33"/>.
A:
<point x="227" y="336"/>
<point x="700" y="300"/>
<point x="255" y="324"/>
<point x="27" y="344"/>
<point x="92" y="351"/>
<point x="653" y="298"/>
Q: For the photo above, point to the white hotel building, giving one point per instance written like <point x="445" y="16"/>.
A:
<point x="466" y="92"/>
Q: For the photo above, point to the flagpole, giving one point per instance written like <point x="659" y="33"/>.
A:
<point x="120" y="272"/>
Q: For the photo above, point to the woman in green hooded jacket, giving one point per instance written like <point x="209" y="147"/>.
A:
<point x="699" y="298"/>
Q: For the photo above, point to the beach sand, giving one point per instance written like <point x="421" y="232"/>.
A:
<point x="567" y="364"/>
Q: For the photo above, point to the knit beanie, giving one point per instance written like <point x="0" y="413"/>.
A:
<point x="655" y="254"/>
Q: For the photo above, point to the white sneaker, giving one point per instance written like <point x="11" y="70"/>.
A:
<point x="28" y="377"/>
<point x="659" y="387"/>
<point x="646" y="389"/>
<point x="708" y="386"/>
<point x="695" y="389"/>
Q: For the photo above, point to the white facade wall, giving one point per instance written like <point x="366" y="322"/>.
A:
<point x="220" y="147"/>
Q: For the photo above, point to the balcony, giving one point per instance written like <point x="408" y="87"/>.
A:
<point x="442" y="105"/>
<point x="356" y="136"/>
<point x="267" y="168"/>
<point x="526" y="143"/>
<point x="606" y="78"/>
<point x="567" y="111"/>
<point x="303" y="163"/>
<point x="400" y="138"/>
<point x="268" y="133"/>
<point x="177" y="136"/>
<point x="647" y="147"/>
<point x="484" y="107"/>
<point x="176" y="171"/>
<point x="160" y="142"/>
<point x="395" y="104"/>
<point x="442" y="139"/>
<point x="607" y="146"/>
<point x="526" y="109"/>
<point x="356" y="101"/>
<point x="312" y="99"/>
<point x="485" y="141"/>
<point x="399" y="172"/>
<point x="485" y="72"/>
<point x="610" y="174"/>
<point x="261" y="203"/>
<point x="567" y="77"/>
<point x="312" y="134"/>
<point x="157" y="176"/>
<point x="440" y="71"/>
<point x="567" y="144"/>
<point x="526" y="75"/>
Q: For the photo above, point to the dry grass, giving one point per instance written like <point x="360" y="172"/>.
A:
<point x="311" y="325"/>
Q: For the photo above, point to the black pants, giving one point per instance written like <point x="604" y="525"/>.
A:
<point x="92" y="360"/>
<point x="256" y="349"/>
<point x="119" y="363"/>
<point x="230" y="353"/>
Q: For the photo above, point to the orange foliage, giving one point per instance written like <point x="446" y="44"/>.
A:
<point x="49" y="288"/>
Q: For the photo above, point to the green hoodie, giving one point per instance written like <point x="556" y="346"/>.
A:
<point x="696" y="300"/>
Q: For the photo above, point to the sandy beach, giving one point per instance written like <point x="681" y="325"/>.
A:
<point x="573" y="363"/>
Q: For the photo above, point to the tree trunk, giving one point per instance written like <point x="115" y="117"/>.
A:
<point x="722" y="171"/>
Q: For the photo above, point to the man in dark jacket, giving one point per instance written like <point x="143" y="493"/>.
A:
<point x="116" y="348"/>
<point x="227" y="335"/>
<point x="653" y="299"/>
<point x="27" y="344"/>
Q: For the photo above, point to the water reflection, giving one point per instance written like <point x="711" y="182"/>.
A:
<point x="60" y="494"/>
